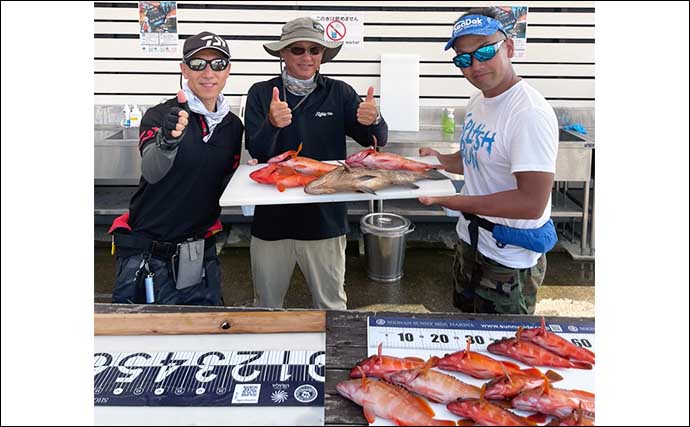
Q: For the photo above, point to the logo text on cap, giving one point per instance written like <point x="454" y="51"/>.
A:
<point x="213" y="41"/>
<point x="460" y="25"/>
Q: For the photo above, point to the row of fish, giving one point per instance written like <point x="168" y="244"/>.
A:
<point x="366" y="171"/>
<point x="510" y="386"/>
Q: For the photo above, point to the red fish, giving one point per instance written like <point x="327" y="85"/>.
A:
<point x="383" y="366"/>
<point x="532" y="354"/>
<point x="438" y="387"/>
<point x="303" y="165"/>
<point x="557" y="344"/>
<point x="486" y="413"/>
<point x="554" y="401"/>
<point x="510" y="385"/>
<point x="281" y="176"/>
<point x="476" y="364"/>
<point x="380" y="399"/>
<point x="376" y="160"/>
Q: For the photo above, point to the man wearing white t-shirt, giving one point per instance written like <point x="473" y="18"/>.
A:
<point x="507" y="155"/>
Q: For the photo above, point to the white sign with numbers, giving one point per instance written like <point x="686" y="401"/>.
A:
<point x="423" y="338"/>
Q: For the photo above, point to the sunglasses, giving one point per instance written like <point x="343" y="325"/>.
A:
<point x="298" y="50"/>
<point x="199" y="64"/>
<point x="483" y="54"/>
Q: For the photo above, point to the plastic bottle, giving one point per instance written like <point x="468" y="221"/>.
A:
<point x="448" y="120"/>
<point x="125" y="123"/>
<point x="135" y="117"/>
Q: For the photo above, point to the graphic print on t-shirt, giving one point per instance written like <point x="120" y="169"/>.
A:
<point x="475" y="136"/>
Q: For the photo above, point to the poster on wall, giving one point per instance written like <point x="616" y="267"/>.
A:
<point x="514" y="21"/>
<point x="344" y="27"/>
<point x="158" y="26"/>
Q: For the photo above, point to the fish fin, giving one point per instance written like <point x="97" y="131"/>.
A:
<point x="367" y="190"/>
<point x="542" y="330"/>
<point x="281" y="187"/>
<point x="369" y="414"/>
<point x="518" y="334"/>
<point x="538" y="418"/>
<point x="482" y="392"/>
<point x="428" y="365"/>
<point x="380" y="350"/>
<point x="415" y="359"/>
<point x="426" y="408"/>
<point x="435" y="360"/>
<point x="553" y="376"/>
<point x="467" y="349"/>
<point x="345" y="165"/>
<point x="580" y="365"/>
<point x="467" y="422"/>
<point x="299" y="148"/>
<point x="505" y="372"/>
<point x="434" y="174"/>
<point x="511" y="365"/>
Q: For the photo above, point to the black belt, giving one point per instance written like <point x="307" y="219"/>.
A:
<point x="158" y="249"/>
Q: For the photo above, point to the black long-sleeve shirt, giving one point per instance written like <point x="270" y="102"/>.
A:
<point x="320" y="123"/>
<point x="184" y="202"/>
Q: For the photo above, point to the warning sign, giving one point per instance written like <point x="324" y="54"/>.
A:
<point x="347" y="28"/>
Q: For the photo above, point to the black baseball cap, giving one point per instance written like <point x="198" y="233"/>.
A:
<point x="204" y="40"/>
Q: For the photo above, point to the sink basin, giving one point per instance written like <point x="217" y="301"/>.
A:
<point x="124" y="134"/>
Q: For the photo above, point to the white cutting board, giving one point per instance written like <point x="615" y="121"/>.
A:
<point x="400" y="91"/>
<point x="243" y="191"/>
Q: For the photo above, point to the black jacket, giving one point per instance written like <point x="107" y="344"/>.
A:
<point x="320" y="124"/>
<point x="184" y="203"/>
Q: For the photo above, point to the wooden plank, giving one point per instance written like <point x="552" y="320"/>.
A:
<point x="432" y="51"/>
<point x="208" y="323"/>
<point x="385" y="16"/>
<point x="431" y="86"/>
<point x="370" y="30"/>
<point x="270" y="67"/>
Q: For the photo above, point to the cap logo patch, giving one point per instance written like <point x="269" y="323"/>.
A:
<point x="213" y="41"/>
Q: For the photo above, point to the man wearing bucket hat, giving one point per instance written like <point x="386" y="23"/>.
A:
<point x="301" y="106"/>
<point x="190" y="147"/>
<point x="507" y="154"/>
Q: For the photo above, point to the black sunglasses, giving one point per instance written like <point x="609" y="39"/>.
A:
<point x="199" y="64"/>
<point x="298" y="50"/>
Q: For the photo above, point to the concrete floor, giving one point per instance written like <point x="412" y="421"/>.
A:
<point x="567" y="290"/>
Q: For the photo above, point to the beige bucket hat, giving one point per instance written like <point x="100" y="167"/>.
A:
<point x="304" y="29"/>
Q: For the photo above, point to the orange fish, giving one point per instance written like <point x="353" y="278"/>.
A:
<point x="510" y="385"/>
<point x="557" y="344"/>
<point x="554" y="401"/>
<point x="281" y="176"/>
<point x="532" y="354"/>
<point x="303" y="165"/>
<point x="381" y="399"/>
<point x="438" y="387"/>
<point x="476" y="364"/>
<point x="486" y="413"/>
<point x="576" y="418"/>
<point x="383" y="366"/>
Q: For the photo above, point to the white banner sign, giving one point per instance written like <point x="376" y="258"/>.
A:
<point x="347" y="28"/>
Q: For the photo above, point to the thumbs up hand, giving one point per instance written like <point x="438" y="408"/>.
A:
<point x="279" y="114"/>
<point x="177" y="119"/>
<point x="367" y="112"/>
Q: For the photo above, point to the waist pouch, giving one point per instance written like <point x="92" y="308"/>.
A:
<point x="190" y="263"/>
<point x="540" y="240"/>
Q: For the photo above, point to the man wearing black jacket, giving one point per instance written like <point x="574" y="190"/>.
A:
<point x="190" y="147"/>
<point x="303" y="107"/>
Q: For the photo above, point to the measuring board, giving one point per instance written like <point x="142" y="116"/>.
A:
<point x="404" y="337"/>
<point x="210" y="378"/>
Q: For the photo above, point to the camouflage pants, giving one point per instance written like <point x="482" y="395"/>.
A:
<point x="501" y="289"/>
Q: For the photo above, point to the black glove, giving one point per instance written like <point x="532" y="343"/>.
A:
<point x="166" y="140"/>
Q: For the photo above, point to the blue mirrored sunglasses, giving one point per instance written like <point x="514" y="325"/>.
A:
<point x="484" y="53"/>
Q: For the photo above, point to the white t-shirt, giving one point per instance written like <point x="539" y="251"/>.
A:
<point x="516" y="131"/>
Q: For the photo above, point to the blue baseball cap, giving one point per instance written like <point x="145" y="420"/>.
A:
<point x="479" y="25"/>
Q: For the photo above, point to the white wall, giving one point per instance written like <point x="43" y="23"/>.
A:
<point x="559" y="60"/>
